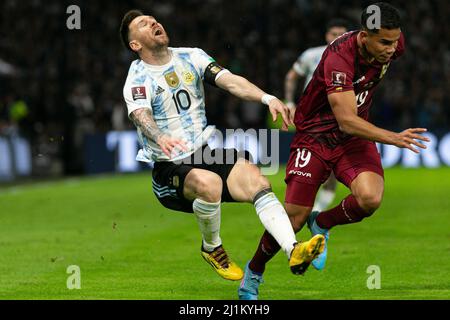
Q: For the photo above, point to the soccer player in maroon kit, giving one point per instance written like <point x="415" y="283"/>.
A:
<point x="333" y="134"/>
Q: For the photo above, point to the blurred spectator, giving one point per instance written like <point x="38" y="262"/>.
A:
<point x="70" y="81"/>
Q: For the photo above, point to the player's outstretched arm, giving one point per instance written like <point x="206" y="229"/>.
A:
<point x="143" y="119"/>
<point x="345" y="110"/>
<point x="244" y="89"/>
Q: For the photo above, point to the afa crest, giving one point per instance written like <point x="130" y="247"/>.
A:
<point x="188" y="77"/>
<point x="172" y="79"/>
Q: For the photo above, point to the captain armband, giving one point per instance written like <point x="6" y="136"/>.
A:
<point x="213" y="72"/>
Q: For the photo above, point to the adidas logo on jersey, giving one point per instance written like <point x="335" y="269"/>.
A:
<point x="159" y="90"/>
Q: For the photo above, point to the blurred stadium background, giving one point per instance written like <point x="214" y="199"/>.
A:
<point x="62" y="115"/>
<point x="57" y="85"/>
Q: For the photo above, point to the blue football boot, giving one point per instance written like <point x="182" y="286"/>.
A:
<point x="319" y="262"/>
<point x="248" y="289"/>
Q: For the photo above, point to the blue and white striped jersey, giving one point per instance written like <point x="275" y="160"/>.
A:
<point x="307" y="62"/>
<point x="175" y="95"/>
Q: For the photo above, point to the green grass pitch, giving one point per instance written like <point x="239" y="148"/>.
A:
<point x="129" y="247"/>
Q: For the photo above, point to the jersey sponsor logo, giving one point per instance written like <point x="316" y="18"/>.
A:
<point x="172" y="79"/>
<point x="301" y="173"/>
<point x="138" y="93"/>
<point x="303" y="158"/>
<point x="159" y="90"/>
<point x="338" y="78"/>
<point x="188" y="77"/>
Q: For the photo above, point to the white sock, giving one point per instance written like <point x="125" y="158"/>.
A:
<point x="324" y="199"/>
<point x="208" y="218"/>
<point x="276" y="221"/>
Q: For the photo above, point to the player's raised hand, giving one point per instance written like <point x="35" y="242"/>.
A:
<point x="169" y="144"/>
<point x="409" y="137"/>
<point x="276" y="107"/>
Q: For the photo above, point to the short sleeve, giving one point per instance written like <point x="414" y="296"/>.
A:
<point x="301" y="66"/>
<point x="201" y="61"/>
<point x="136" y="95"/>
<point x="338" y="73"/>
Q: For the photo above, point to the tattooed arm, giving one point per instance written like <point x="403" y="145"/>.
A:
<point x="143" y="119"/>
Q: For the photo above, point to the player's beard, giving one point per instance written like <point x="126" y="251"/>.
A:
<point x="158" y="47"/>
<point x="160" y="43"/>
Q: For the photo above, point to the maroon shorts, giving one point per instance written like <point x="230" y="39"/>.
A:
<point x="310" y="164"/>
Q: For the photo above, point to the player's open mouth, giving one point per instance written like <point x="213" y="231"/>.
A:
<point x="158" y="32"/>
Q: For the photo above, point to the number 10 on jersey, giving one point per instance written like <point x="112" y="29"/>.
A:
<point x="182" y="100"/>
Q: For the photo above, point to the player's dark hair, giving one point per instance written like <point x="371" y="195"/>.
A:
<point x="124" y="31"/>
<point x="338" y="22"/>
<point x="389" y="17"/>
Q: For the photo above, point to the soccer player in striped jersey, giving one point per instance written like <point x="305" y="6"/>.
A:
<point x="165" y="98"/>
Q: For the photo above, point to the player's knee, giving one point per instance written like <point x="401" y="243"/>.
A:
<point x="208" y="186"/>
<point x="261" y="183"/>
<point x="370" y="201"/>
<point x="256" y="182"/>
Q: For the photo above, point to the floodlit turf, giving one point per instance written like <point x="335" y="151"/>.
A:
<point x="129" y="247"/>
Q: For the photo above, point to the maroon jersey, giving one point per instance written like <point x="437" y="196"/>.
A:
<point x="342" y="68"/>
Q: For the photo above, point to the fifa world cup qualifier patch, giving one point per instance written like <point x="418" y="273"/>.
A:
<point x="338" y="78"/>
<point x="138" y="93"/>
